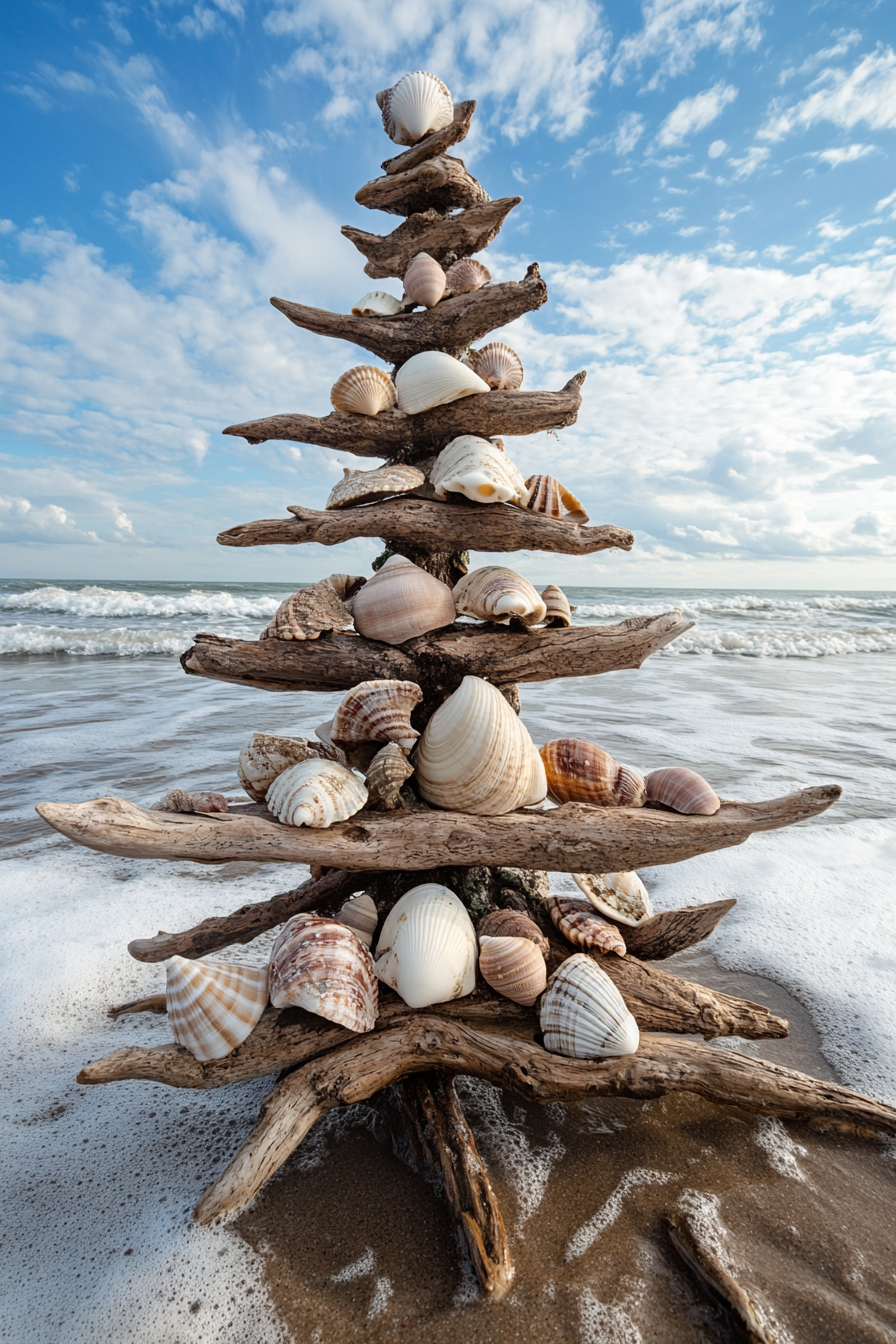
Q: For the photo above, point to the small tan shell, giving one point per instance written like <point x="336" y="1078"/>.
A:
<point x="378" y="711"/>
<point x="583" y="1015"/>
<point x="578" y="921"/>
<point x="514" y="967"/>
<point x="545" y="494"/>
<point x="500" y="366"/>
<point x="377" y="304"/>
<point x="415" y="107"/>
<point x="400" y="602"/>
<point x="179" y="800"/>
<point x="310" y="611"/>
<point x="360" y="915"/>
<point x="213" y="1005"/>
<point x="513" y="924"/>
<point x="621" y="896"/>
<point x="466" y="275"/>
<point x="364" y="390"/>
<point x="360" y="487"/>
<point x="434" y="378"/>
<point x="478" y="468"/>
<point x="495" y="593"/>
<point x="265" y="757"/>
<point x="683" y="790"/>
<point x="315" y="793"/>
<point x="580" y="772"/>
<point x="424" y="281"/>
<point x="322" y="966"/>
<point x="558" y="612"/>
<point x="388" y="770"/>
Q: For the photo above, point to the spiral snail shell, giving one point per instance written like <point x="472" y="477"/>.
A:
<point x="579" y="772"/>
<point x="578" y="921"/>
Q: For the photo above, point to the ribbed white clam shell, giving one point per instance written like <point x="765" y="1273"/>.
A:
<point x="364" y="390"/>
<point x="513" y="967"/>
<point x="427" y="949"/>
<point x="498" y="364"/>
<point x="476" y="755"/>
<point x="495" y="593"/>
<point x="434" y="379"/>
<point x="415" y="107"/>
<point x="621" y="896"/>
<point x="479" y="469"/>
<point x="377" y="304"/>
<point x="583" y="1015"/>
<point x="424" y="281"/>
<point x="265" y="757"/>
<point x="378" y="711"/>
<point x="315" y="793"/>
<point x="360" y="487"/>
<point x="322" y="966"/>
<point x="400" y="602"/>
<point x="213" y="1005"/>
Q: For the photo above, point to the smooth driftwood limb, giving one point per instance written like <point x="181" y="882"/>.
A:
<point x="434" y="144"/>
<point x="441" y="183"/>
<point x="662" y="1065"/>
<point x="674" y="930"/>
<point x="151" y="1003"/>
<point x="445" y="239"/>
<point x="573" y="838"/>
<point x="701" y="1255"/>
<point x="405" y="438"/>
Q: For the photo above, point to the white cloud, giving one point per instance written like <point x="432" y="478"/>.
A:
<point x="24" y="523"/>
<point x="754" y="158"/>
<point x="717" y="149"/>
<point x="867" y="93"/>
<point x="844" y="154"/>
<point x="676" y="31"/>
<point x="695" y="114"/>
<point x="628" y="133"/>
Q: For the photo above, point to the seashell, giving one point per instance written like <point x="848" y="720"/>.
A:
<point x="434" y="379"/>
<point x="378" y="711"/>
<point x="478" y="468"/>
<point x="315" y="793"/>
<point x="621" y="896"/>
<point x="514" y="967"/>
<point x="476" y="755"/>
<point x="388" y="770"/>
<point x="265" y="757"/>
<point x="179" y="800"/>
<point x="322" y="966"/>
<point x="583" y="1015"/>
<point x="558" y="611"/>
<point x="500" y="366"/>
<point x="424" y="281"/>
<point x="377" y="304"/>
<point x="360" y="915"/>
<point x="427" y="948"/>
<point x="414" y="107"/>
<point x="683" y="790"/>
<point x="400" y="602"/>
<point x="310" y="611"/>
<point x="495" y="593"/>
<point x="513" y="924"/>
<point x="213" y="1005"/>
<point x="576" y="919"/>
<point x="363" y="390"/>
<point x="466" y="275"/>
<point x="545" y="494"/>
<point x="579" y="772"/>
<point x="360" y="487"/>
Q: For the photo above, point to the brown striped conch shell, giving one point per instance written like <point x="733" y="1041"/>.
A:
<point x="558" y="612"/>
<point x="378" y="711"/>
<point x="500" y="366"/>
<point x="360" y="915"/>
<point x="478" y="468"/>
<point x="265" y="757"/>
<point x="466" y="275"/>
<point x="415" y="107"/>
<point x="179" y="800"/>
<point x="620" y="896"/>
<point x="388" y="770"/>
<point x="583" y="1015"/>
<point x="427" y="947"/>
<point x="683" y="790"/>
<point x="513" y="967"/>
<point x="315" y="793"/>
<point x="320" y="965"/>
<point x="579" y="772"/>
<point x="513" y="924"/>
<point x="434" y="379"/>
<point x="377" y="304"/>
<point x="312" y="610"/>
<point x="578" y="921"/>
<point x="545" y="494"/>
<point x="400" y="602"/>
<point x="360" y="487"/>
<point x="364" y="390"/>
<point x="476" y="755"/>
<point x="424" y="281"/>
<point x="495" y="593"/>
<point x="213" y="1005"/>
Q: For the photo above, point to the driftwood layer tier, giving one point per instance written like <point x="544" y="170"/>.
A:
<point x="445" y="238"/>
<point x="441" y="183"/>
<point x="434" y="144"/>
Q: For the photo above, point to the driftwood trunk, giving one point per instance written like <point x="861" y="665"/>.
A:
<point x="444" y="239"/>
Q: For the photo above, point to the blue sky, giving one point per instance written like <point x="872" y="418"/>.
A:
<point x="708" y="185"/>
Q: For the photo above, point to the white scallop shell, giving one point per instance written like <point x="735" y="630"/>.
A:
<point x="265" y="757"/>
<point x="360" y="487"/>
<point x="513" y="967"/>
<point x="500" y="366"/>
<point x="479" y="469"/>
<point x="545" y="494"/>
<point x="213" y="1005"/>
<point x="400" y="602"/>
<point x="364" y="390"/>
<point x="427" y="948"/>
<point x="321" y="965"/>
<point x="315" y="793"/>
<point x="424" y="281"/>
<point x="434" y="379"/>
<point x="583" y="1015"/>
<point x="377" y="304"/>
<point x="621" y="896"/>
<point x="495" y="593"/>
<point x="415" y="107"/>
<point x="378" y="711"/>
<point x="683" y="790"/>
<point x="360" y="915"/>
<point x="466" y="275"/>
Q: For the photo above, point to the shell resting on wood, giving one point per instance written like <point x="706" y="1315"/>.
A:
<point x="622" y="897"/>
<point x="360" y="487"/>
<point x="265" y="757"/>
<point x="683" y="790"/>
<point x="478" y="468"/>
<point x="466" y="276"/>
<point x="180" y="800"/>
<point x="388" y="770"/>
<point x="363" y="390"/>
<point x="583" y="1015"/>
<point x="315" y="793"/>
<point x="578" y="921"/>
<point x="322" y="966"/>
<point x="580" y="772"/>
<point x="545" y="494"/>
<point x="378" y="711"/>
<point x="427" y="948"/>
<point x="377" y="304"/>
<point x="400" y="602"/>
<point x="500" y="366"/>
<point x="360" y="915"/>
<point x="558" y="612"/>
<point x="213" y="1005"/>
<point x="424" y="281"/>
<point x="513" y="967"/>
<point x="495" y="593"/>
<point x="415" y="107"/>
<point x="312" y="610"/>
<point x="513" y="924"/>
<point x="433" y="378"/>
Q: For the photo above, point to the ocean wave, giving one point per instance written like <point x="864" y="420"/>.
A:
<point x="119" y="642"/>
<point x="111" y="603"/>
<point x="781" y="643"/>
<point x="756" y="605"/>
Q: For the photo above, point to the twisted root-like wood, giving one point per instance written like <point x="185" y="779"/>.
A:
<point x="445" y="239"/>
<point x="440" y="183"/>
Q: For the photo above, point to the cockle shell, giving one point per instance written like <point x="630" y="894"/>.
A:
<point x="578" y="921"/>
<point x="180" y="800"/>
<point x="514" y="967"/>
<point x="512" y="924"/>
<point x="479" y="469"/>
<point x="415" y="107"/>
<point x="388" y="770"/>
<point x="500" y="366"/>
<point x="434" y="379"/>
<point x="558" y="612"/>
<point x="583" y="1015"/>
<point x="364" y="390"/>
<point x="310" y="611"/>
<point x="213" y="1005"/>
<point x="495" y="593"/>
<point x="424" y="281"/>
<point x="545" y="494"/>
<point x="265" y="757"/>
<point x="378" y="711"/>
<point x="427" y="947"/>
<point x="315" y="793"/>
<point x="621" y="896"/>
<point x="320" y="965"/>
<point x="400" y="602"/>
<point x="476" y="755"/>
<point x="360" y="915"/>
<point x="377" y="304"/>
<point x="683" y="790"/>
<point x="360" y="487"/>
<point x="579" y="772"/>
<point x="466" y="275"/>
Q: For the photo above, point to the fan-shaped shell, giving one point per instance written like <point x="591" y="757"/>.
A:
<point x="479" y="469"/>
<point x="514" y="967"/>
<point x="213" y="1005"/>
<point x="579" y="772"/>
<point x="424" y="281"/>
<point x="621" y="896"/>
<point x="320" y="965"/>
<point x="415" y="107"/>
<point x="360" y="915"/>
<point x="360" y="487"/>
<point x="434" y="379"/>
<point x="310" y="611"/>
<point x="400" y="602"/>
<point x="512" y="924"/>
<point x="578" y="921"/>
<point x="476" y="755"/>
<point x="377" y="304"/>
<point x="683" y="790"/>
<point x="558" y="612"/>
<point x="427" y="947"/>
<point x="180" y="800"/>
<point x="495" y="593"/>
<point x="583" y="1015"/>
<point x="315" y="793"/>
<point x="265" y="757"/>
<point x="388" y="770"/>
<point x="378" y="711"/>
<point x="500" y="366"/>
<point x="364" y="390"/>
<point x="466" y="275"/>
<point x="545" y="494"/>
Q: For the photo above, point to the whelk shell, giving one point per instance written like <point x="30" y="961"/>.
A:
<point x="360" y="915"/>
<point x="377" y="304"/>
<point x="500" y="366"/>
<point x="180" y="800"/>
<point x="466" y="275"/>
<point x="364" y="390"/>
<point x="514" y="967"/>
<point x="583" y="1015"/>
<point x="495" y="593"/>
<point x="424" y="281"/>
<point x="321" y="966"/>
<point x="580" y="772"/>
<point x="315" y="793"/>
<point x="265" y="757"/>
<point x="312" y="610"/>
<point x="360" y="487"/>
<point x="400" y="602"/>
<point x="683" y="790"/>
<point x="513" y="924"/>
<point x="578" y="921"/>
<point x="427" y="947"/>
<point x="621" y="896"/>
<point x="378" y="711"/>
<point x="479" y="469"/>
<point x="213" y="1005"/>
<point x="415" y="107"/>
<point x="388" y="770"/>
<point x="545" y="494"/>
<point x="434" y="379"/>
<point x="558" y="612"/>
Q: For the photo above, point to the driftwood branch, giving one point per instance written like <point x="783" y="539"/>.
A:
<point x="440" y="183"/>
<point x="700" y="1254"/>
<point x="445" y="239"/>
<point x="659" y="1001"/>
<point x="150" y="1003"/>
<point x="674" y="930"/>
<point x="434" y="144"/>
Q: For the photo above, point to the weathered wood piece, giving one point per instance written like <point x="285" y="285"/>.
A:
<point x="405" y="438"/>
<point x="572" y="838"/>
<point x="434" y="144"/>
<point x="444" y="239"/>
<point x="702" y="1258"/>
<point x="673" y="930"/>
<point x="441" y="183"/>
<point x="151" y="1003"/>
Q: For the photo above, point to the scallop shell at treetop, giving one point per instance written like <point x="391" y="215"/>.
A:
<point x="424" y="281"/>
<point x="433" y="378"/>
<point x="545" y="494"/>
<point x="580" y="772"/>
<point x="388" y="770"/>
<point x="181" y="800"/>
<point x="583" y="1015"/>
<point x="476" y="755"/>
<point x="360" y="487"/>
<point x="378" y="711"/>
<point x="683" y="790"/>
<point x="315" y="793"/>
<point x="578" y="921"/>
<point x="500" y="366"/>
<point x="377" y="304"/>
<point x="364" y="390"/>
<point x="360" y="915"/>
<point x="427" y="947"/>
<point x="415" y="107"/>
<point x="495" y="593"/>
<point x="312" y="610"/>
<point x="322" y="966"/>
<point x="558" y="612"/>
<point x="512" y="924"/>
<point x="265" y="757"/>
<point x="620" y="896"/>
<point x="466" y="276"/>
<point x="400" y="602"/>
<point x="479" y="469"/>
<point x="213" y="1005"/>
<point x="513" y="967"/>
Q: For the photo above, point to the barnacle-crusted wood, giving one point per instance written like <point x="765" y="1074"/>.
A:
<point x="440" y="183"/>
<point x="672" y="931"/>
<point x="445" y="239"/>
<point x="434" y="144"/>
